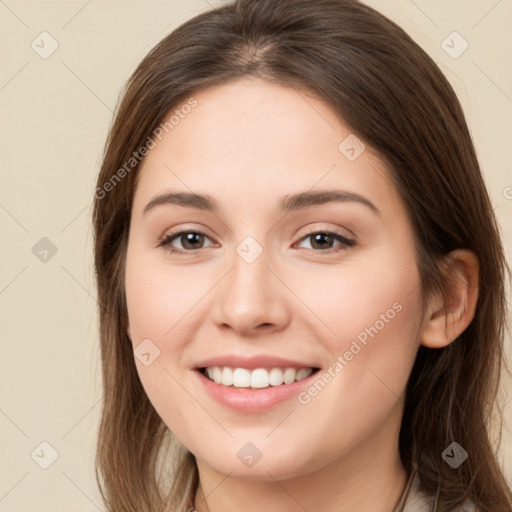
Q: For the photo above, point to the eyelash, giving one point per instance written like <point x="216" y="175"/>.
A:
<point x="345" y="242"/>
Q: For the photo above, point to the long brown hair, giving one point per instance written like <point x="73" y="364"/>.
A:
<point x="396" y="100"/>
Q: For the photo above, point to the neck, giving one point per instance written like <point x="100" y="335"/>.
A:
<point x="370" y="477"/>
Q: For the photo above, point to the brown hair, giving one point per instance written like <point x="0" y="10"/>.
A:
<point x="395" y="99"/>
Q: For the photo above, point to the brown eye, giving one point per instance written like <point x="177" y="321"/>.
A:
<point x="324" y="240"/>
<point x="189" y="241"/>
<point x="321" y="241"/>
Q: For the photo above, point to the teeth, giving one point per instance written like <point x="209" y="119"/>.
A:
<point x="289" y="375"/>
<point x="303" y="373"/>
<point x="241" y="378"/>
<point x="258" y="378"/>
<point x="227" y="376"/>
<point x="275" y="377"/>
<point x="217" y="374"/>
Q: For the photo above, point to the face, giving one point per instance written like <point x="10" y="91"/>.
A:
<point x="306" y="310"/>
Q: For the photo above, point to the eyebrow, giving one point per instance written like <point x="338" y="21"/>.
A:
<point x="287" y="204"/>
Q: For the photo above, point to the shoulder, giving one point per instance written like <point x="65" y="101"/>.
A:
<point x="468" y="506"/>
<point x="418" y="501"/>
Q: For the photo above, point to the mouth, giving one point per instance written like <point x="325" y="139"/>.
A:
<point x="256" y="378"/>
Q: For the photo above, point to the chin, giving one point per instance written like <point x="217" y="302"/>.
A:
<point x="271" y="467"/>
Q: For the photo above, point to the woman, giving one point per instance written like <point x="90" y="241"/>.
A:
<point x="300" y="274"/>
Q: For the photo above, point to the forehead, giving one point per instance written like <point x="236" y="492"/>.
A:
<point x="252" y="139"/>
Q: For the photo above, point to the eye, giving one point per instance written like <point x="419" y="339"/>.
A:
<point x="322" y="241"/>
<point x="189" y="240"/>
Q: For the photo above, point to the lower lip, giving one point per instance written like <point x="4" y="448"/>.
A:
<point x="253" y="400"/>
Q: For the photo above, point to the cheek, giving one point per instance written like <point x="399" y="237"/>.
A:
<point x="370" y="318"/>
<point x="382" y="294"/>
<point x="373" y="318"/>
<point x="160" y="303"/>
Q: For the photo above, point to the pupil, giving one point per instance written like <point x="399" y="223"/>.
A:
<point x="322" y="239"/>
<point x="190" y="240"/>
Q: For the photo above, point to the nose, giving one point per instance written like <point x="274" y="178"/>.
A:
<point x="251" y="299"/>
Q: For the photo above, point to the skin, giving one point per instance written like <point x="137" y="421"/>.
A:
<point x="247" y="144"/>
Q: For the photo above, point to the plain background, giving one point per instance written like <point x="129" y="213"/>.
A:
<point x="55" y="116"/>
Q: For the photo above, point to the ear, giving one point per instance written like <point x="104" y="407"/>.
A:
<point x="447" y="317"/>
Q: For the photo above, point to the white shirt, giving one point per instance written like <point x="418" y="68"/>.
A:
<point x="414" y="500"/>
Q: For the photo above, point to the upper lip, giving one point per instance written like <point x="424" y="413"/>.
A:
<point x="252" y="362"/>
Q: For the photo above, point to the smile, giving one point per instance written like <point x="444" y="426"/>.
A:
<point x="257" y="378"/>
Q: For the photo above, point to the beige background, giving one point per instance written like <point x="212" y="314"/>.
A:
<point x="55" y="115"/>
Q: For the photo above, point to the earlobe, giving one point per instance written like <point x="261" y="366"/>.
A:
<point x="447" y="317"/>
